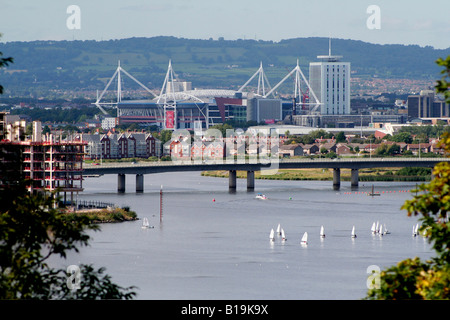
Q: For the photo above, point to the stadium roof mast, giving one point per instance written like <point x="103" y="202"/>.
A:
<point x="297" y="89"/>
<point x="168" y="104"/>
<point x="169" y="97"/>
<point x="119" y="88"/>
<point x="262" y="79"/>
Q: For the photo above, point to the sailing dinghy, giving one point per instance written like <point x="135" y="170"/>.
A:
<point x="353" y="232"/>
<point x="145" y="223"/>
<point x="283" y="236"/>
<point x="322" y="232"/>
<point x="272" y="235"/>
<point x="305" y="238"/>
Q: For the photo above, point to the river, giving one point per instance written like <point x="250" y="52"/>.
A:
<point x="213" y="244"/>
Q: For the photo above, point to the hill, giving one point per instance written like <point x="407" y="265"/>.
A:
<point x="42" y="67"/>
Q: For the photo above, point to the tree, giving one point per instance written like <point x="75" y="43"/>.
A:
<point x="413" y="278"/>
<point x="401" y="137"/>
<point x="443" y="84"/>
<point x="340" y="137"/>
<point x="31" y="231"/>
<point x="4" y="62"/>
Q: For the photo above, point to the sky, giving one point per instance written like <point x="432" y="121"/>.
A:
<point x="423" y="23"/>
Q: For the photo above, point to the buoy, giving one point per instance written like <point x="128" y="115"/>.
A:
<point x="214" y="199"/>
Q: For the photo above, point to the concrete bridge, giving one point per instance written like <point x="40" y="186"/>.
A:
<point x="141" y="168"/>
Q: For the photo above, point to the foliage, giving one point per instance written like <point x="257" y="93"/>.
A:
<point x="388" y="150"/>
<point x="340" y="137"/>
<point x="443" y="84"/>
<point x="412" y="278"/>
<point x="32" y="231"/>
<point x="401" y="137"/>
<point x="4" y="62"/>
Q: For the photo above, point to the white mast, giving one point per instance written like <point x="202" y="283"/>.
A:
<point x="262" y="80"/>
<point x="119" y="88"/>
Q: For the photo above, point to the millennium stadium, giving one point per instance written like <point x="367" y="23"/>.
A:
<point x="178" y="106"/>
<point x="323" y="101"/>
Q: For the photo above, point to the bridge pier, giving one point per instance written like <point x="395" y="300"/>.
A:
<point x="139" y="183"/>
<point x="232" y="179"/>
<point x="250" y="180"/>
<point x="336" y="178"/>
<point x="355" y="178"/>
<point x="121" y="183"/>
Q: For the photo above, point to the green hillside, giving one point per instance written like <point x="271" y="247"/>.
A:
<point x="43" y="66"/>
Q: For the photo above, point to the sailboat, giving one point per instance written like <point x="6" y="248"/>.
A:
<point x="272" y="235"/>
<point x="386" y="231"/>
<point x="381" y="230"/>
<point x="373" y="193"/>
<point x="304" y="238"/>
<point x="279" y="229"/>
<point x="145" y="223"/>
<point x="322" y="232"/>
<point x="353" y="232"/>
<point x="374" y="228"/>
<point x="283" y="236"/>
<point x="415" y="230"/>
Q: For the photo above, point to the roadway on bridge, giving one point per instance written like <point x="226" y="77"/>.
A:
<point x="252" y="165"/>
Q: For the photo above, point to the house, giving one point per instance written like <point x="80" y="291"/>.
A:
<point x="379" y="134"/>
<point x="371" y="147"/>
<point x="309" y="149"/>
<point x="419" y="148"/>
<point x="291" y="150"/>
<point x="402" y="145"/>
<point x="121" y="145"/>
<point x="342" y="149"/>
<point x="330" y="146"/>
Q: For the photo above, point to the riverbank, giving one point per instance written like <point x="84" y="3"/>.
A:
<point x="108" y="215"/>
<point x="379" y="174"/>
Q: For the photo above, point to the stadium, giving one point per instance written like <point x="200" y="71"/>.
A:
<point x="178" y="106"/>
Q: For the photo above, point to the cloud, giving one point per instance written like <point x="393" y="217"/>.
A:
<point x="147" y="7"/>
<point x="422" y="25"/>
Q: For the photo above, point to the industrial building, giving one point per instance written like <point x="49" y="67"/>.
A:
<point x="426" y="105"/>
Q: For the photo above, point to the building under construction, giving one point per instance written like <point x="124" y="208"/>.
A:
<point x="48" y="163"/>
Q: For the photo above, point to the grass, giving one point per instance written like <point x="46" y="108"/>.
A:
<point x="103" y="215"/>
<point x="381" y="174"/>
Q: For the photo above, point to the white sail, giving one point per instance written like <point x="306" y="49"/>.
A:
<point x="381" y="230"/>
<point x="283" y="236"/>
<point x="271" y="236"/>
<point x="353" y="232"/>
<point x="377" y="228"/>
<point x="322" y="232"/>
<point x="145" y="223"/>
<point x="414" y="231"/>
<point x="305" y="238"/>
<point x="386" y="231"/>
<point x="279" y="229"/>
<point x="374" y="228"/>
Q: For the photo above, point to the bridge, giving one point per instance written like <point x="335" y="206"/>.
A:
<point x="141" y="168"/>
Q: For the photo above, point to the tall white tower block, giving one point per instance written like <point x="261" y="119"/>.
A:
<point x="330" y="80"/>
